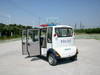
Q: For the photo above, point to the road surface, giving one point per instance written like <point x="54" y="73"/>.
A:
<point x="12" y="62"/>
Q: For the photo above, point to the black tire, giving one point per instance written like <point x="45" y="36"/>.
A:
<point x="52" y="60"/>
<point x="74" y="57"/>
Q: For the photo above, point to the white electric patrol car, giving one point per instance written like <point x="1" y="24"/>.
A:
<point x="50" y="40"/>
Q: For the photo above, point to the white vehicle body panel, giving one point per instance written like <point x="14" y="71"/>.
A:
<point x="64" y="46"/>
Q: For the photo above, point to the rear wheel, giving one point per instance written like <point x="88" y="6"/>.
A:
<point x="52" y="60"/>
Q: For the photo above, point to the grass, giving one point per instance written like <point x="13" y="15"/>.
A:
<point x="8" y="39"/>
<point x="88" y="36"/>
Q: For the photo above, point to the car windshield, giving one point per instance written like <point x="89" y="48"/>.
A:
<point x="64" y="32"/>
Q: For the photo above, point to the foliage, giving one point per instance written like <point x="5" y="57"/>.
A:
<point x="88" y="31"/>
<point x="11" y="30"/>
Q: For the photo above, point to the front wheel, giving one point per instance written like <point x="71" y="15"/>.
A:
<point x="52" y="60"/>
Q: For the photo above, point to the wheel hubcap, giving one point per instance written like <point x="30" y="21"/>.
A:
<point x="50" y="60"/>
